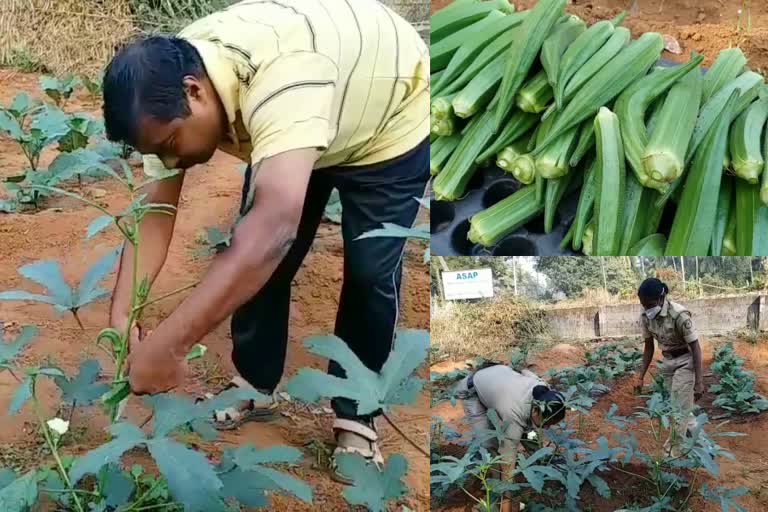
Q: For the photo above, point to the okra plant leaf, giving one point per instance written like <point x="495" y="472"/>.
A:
<point x="251" y="460"/>
<point x="450" y="469"/>
<point x="10" y="350"/>
<point x="191" y="478"/>
<point x="10" y="126"/>
<point x="19" y="495"/>
<point x="78" y="161"/>
<point x="60" y="294"/>
<point x="21" y="395"/>
<point x="22" y="105"/>
<point x="117" y="486"/>
<point x="172" y="411"/>
<point x="49" y="125"/>
<point x="370" y="487"/>
<point x="724" y="497"/>
<point x="6" y="477"/>
<point x="97" y="225"/>
<point x="125" y="437"/>
<point x="89" y="289"/>
<point x="393" y="385"/>
<point x="393" y="230"/>
<point x="243" y="487"/>
<point x="85" y="388"/>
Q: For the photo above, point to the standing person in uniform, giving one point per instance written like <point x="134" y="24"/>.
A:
<point x="312" y="95"/>
<point x="512" y="395"/>
<point x="670" y="324"/>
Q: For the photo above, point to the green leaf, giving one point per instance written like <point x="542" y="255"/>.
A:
<point x="10" y="126"/>
<point x="53" y="483"/>
<point x="9" y="350"/>
<point x="6" y="477"/>
<point x="117" y="486"/>
<point x="394" y="385"/>
<point x="83" y="389"/>
<point x="243" y="487"/>
<point x="51" y="123"/>
<point x="116" y="394"/>
<point x="89" y="289"/>
<point x="20" y="495"/>
<point x="49" y="371"/>
<point x="97" y="225"/>
<point x="197" y="352"/>
<point x="536" y="476"/>
<point x="125" y="437"/>
<point x="191" y="477"/>
<point x="251" y="459"/>
<point x="600" y="485"/>
<point x="333" y="208"/>
<point x="78" y="161"/>
<point x="372" y="488"/>
<point x="172" y="411"/>
<point x="22" y="104"/>
<point x="48" y="274"/>
<point x="21" y="395"/>
<point x="393" y="230"/>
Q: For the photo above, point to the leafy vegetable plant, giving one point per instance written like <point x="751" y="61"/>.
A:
<point x="244" y="476"/>
<point x="736" y="387"/>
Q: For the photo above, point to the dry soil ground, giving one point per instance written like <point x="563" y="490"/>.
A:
<point x="210" y="197"/>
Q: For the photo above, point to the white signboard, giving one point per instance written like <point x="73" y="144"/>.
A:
<point x="468" y="284"/>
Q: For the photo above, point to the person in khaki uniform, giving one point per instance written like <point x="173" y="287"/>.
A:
<point x="670" y="324"/>
<point x="512" y="395"/>
<point x="312" y="95"/>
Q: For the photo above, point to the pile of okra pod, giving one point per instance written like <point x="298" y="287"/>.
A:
<point x="565" y="107"/>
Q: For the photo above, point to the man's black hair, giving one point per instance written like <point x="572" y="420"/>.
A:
<point x="146" y="77"/>
<point x="652" y="288"/>
<point x="554" y="408"/>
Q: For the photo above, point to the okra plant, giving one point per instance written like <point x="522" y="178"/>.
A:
<point x="736" y="387"/>
<point x="35" y="126"/>
<point x="558" y="464"/>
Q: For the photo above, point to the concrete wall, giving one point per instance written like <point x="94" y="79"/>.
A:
<point x="711" y="316"/>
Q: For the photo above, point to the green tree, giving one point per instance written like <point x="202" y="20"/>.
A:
<point x="573" y="275"/>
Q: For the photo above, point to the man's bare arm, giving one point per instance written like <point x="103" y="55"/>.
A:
<point x="260" y="241"/>
<point x="156" y="232"/>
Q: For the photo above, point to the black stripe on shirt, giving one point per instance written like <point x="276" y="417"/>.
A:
<point x="285" y="88"/>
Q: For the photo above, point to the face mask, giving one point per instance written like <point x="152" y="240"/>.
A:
<point x="652" y="312"/>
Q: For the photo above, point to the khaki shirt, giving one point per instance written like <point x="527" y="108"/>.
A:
<point x="349" y="77"/>
<point x="511" y="394"/>
<point x="672" y="328"/>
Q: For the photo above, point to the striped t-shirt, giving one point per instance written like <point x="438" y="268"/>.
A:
<point x="349" y="77"/>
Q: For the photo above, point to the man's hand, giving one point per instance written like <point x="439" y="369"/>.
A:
<point x="154" y="366"/>
<point x="698" y="391"/>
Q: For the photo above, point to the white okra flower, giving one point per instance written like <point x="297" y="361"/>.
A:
<point x="58" y="425"/>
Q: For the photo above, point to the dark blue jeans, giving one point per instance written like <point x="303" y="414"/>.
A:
<point x="368" y="307"/>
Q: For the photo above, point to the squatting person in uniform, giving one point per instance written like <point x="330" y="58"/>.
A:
<point x="670" y="324"/>
<point x="512" y="395"/>
<point x="312" y="95"/>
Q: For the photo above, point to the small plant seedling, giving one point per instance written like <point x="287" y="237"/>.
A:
<point x="59" y="89"/>
<point x="420" y="232"/>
